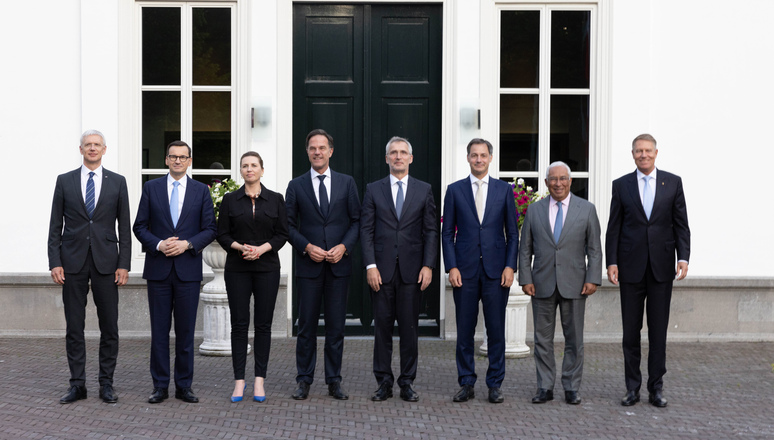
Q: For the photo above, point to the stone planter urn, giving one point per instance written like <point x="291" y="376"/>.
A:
<point x="515" y="325"/>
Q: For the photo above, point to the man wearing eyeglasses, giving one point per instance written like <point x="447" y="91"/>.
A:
<point x="562" y="233"/>
<point x="175" y="222"/>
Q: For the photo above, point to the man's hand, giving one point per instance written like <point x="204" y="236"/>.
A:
<point x="425" y="277"/>
<point x="589" y="289"/>
<point x="122" y="276"/>
<point x="336" y="253"/>
<point x="57" y="274"/>
<point x="507" y="278"/>
<point x="682" y="270"/>
<point x="374" y="278"/>
<point x="316" y="253"/>
<point x="612" y="274"/>
<point x="172" y="247"/>
<point x="529" y="289"/>
<point x="455" y="278"/>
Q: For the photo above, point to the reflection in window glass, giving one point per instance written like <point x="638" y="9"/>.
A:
<point x="148" y="177"/>
<point x="211" y="46"/>
<point x="211" y="180"/>
<point x="580" y="187"/>
<point x="519" y="49"/>
<point x="160" y="46"/>
<point x="518" y="132"/>
<point x="160" y="126"/>
<point x="211" y="129"/>
<point x="570" y="130"/>
<point x="570" y="49"/>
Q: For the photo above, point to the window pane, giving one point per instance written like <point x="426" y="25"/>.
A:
<point x="211" y="129"/>
<point x="211" y="49"/>
<point x="160" y="46"/>
<point x="160" y="126"/>
<point x="570" y="130"/>
<point x="148" y="177"/>
<point x="580" y="187"/>
<point x="518" y="132"/>
<point x="570" y="49"/>
<point x="519" y="48"/>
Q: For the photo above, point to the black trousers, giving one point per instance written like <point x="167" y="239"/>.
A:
<point x="655" y="297"/>
<point x="241" y="286"/>
<point x="74" y="297"/>
<point x="401" y="301"/>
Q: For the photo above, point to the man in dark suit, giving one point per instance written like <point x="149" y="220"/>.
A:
<point x="324" y="220"/>
<point x="83" y="247"/>
<point x="648" y="225"/>
<point x="175" y="222"/>
<point x="399" y="236"/>
<point x="480" y="248"/>
<point x="562" y="233"/>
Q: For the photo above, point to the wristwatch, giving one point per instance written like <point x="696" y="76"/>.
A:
<point x="190" y="245"/>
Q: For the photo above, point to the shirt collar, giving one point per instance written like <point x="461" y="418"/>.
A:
<point x="97" y="172"/>
<point x="327" y="173"/>
<point x="652" y="174"/>
<point x="170" y="180"/>
<point x="394" y="180"/>
<point x="474" y="179"/>
<point x="565" y="202"/>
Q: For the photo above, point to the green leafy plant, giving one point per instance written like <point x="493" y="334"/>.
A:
<point x="220" y="189"/>
<point x="524" y="196"/>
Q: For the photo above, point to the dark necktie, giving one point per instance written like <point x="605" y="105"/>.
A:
<point x="399" y="199"/>
<point x="323" y="196"/>
<point x="90" y="194"/>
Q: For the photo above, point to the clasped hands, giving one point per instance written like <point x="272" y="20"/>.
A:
<point x="172" y="246"/>
<point x="318" y="254"/>
<point x="251" y="253"/>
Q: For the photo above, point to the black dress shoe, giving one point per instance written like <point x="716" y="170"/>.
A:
<point x="73" y="393"/>
<point x="158" y="395"/>
<point x="656" y="399"/>
<point x="383" y="393"/>
<point x="302" y="392"/>
<point x="408" y="394"/>
<point x="107" y="394"/>
<point x="186" y="395"/>
<point x="630" y="398"/>
<point x="335" y="391"/>
<point x="543" y="395"/>
<point x="495" y="395"/>
<point x="572" y="397"/>
<point x="464" y="394"/>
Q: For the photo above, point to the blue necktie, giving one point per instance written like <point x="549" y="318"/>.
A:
<point x="647" y="197"/>
<point x="399" y="199"/>
<point x="90" y="194"/>
<point x="558" y="222"/>
<point x="174" y="201"/>
<point x="323" y="191"/>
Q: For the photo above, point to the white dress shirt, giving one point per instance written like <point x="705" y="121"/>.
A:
<point x="651" y="182"/>
<point x="484" y="187"/>
<point x="553" y="208"/>
<point x="97" y="182"/>
<point x="316" y="183"/>
<point x="394" y="188"/>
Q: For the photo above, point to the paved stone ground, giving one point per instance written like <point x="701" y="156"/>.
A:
<point x="715" y="391"/>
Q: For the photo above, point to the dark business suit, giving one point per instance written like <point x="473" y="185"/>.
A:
<point x="88" y="249"/>
<point x="173" y="283"/>
<point x="480" y="251"/>
<point x="239" y="222"/>
<point x="559" y="271"/>
<point x="644" y="251"/>
<point x="399" y="249"/>
<point x="322" y="282"/>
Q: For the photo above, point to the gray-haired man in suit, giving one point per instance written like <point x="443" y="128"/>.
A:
<point x="562" y="233"/>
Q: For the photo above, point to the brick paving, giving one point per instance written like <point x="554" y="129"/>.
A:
<point x="715" y="391"/>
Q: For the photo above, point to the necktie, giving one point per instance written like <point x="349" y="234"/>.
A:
<point x="323" y="196"/>
<point x="173" y="203"/>
<point x="480" y="201"/>
<point x="90" y="194"/>
<point x="558" y="222"/>
<point x="647" y="197"/>
<point x="399" y="199"/>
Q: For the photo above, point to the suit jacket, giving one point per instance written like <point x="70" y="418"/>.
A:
<point x="474" y="240"/>
<point x="237" y="223"/>
<point x="154" y="224"/>
<point x="306" y="223"/>
<point x="632" y="240"/>
<point x="413" y="239"/>
<point x="580" y="239"/>
<point x="71" y="231"/>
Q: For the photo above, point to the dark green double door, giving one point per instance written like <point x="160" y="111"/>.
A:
<point x="365" y="73"/>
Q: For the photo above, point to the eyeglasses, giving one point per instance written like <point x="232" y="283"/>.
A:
<point x="563" y="179"/>
<point x="174" y="158"/>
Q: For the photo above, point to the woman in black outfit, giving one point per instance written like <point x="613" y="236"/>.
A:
<point x="252" y="228"/>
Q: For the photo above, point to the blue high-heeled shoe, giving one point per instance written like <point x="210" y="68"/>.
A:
<point x="260" y="399"/>
<point x="238" y="399"/>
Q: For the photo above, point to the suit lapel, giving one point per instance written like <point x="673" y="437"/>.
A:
<point x="634" y="193"/>
<point x="467" y="194"/>
<point x="387" y="194"/>
<point x="76" y="183"/>
<point x="659" y="192"/>
<point x="572" y="214"/>
<point x="187" y="201"/>
<point x="543" y="207"/>
<point x="490" y="198"/>
<point x="410" y="195"/>
<point x="306" y="185"/>
<point x="104" y="190"/>
<point x="163" y="197"/>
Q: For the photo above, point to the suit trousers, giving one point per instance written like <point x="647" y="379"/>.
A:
<point x="74" y="297"/>
<point x="329" y="291"/>
<point x="655" y="297"/>
<point x="166" y="298"/>
<point x="241" y="286"/>
<point x="401" y="301"/>
<point x="572" y="312"/>
<point x="494" y="298"/>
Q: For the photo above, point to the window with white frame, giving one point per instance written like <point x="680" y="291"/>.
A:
<point x="187" y="86"/>
<point x="546" y="92"/>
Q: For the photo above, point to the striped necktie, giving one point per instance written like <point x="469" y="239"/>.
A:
<point x="90" y="194"/>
